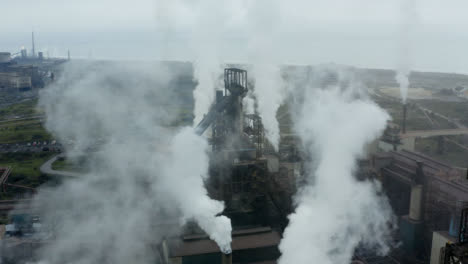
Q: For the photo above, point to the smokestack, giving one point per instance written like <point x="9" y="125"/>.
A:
<point x="403" y="125"/>
<point x="68" y="54"/>
<point x="33" y="47"/>
<point x="227" y="258"/>
<point x="417" y="195"/>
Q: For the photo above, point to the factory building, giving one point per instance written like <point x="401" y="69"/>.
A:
<point x="15" y="80"/>
<point x="17" y="77"/>
<point x="255" y="183"/>
<point x="255" y="245"/>
<point x="427" y="195"/>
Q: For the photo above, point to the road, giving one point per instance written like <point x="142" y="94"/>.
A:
<point x="46" y="168"/>
<point x="39" y="146"/>
<point x="456" y="123"/>
<point x="424" y="109"/>
<point x="434" y="133"/>
<point x="33" y="117"/>
<point x="8" y="205"/>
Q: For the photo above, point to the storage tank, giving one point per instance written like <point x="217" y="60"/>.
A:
<point x="5" y="57"/>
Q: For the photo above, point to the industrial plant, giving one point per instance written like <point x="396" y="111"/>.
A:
<point x="22" y="72"/>
<point x="241" y="132"/>
<point x="258" y="184"/>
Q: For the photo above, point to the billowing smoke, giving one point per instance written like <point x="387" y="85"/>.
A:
<point x="269" y="87"/>
<point x="194" y="200"/>
<point x="204" y="93"/>
<point x="203" y="30"/>
<point x="335" y="211"/>
<point x="144" y="178"/>
<point x="270" y="95"/>
<point x="249" y="104"/>
<point x="406" y="32"/>
<point x="210" y="32"/>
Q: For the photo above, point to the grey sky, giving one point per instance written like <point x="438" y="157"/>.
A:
<point x="355" y="32"/>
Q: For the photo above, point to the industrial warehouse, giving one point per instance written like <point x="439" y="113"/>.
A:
<point x="254" y="132"/>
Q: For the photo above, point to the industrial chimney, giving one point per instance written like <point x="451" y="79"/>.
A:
<point x="33" y="45"/>
<point x="403" y="123"/>
<point x="227" y="258"/>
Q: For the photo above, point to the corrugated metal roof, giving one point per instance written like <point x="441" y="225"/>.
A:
<point x="244" y="239"/>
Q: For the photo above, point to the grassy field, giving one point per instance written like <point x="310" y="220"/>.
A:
<point x="23" y="130"/>
<point x="16" y="126"/>
<point x="27" y="108"/>
<point x="64" y="164"/>
<point x="25" y="167"/>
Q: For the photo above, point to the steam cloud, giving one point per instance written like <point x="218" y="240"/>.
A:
<point x="194" y="200"/>
<point x="335" y="211"/>
<point x="269" y="87"/>
<point x="135" y="188"/>
<point x="270" y="96"/>
<point x="205" y="90"/>
<point x="139" y="188"/>
<point x="406" y="32"/>
<point x="205" y="34"/>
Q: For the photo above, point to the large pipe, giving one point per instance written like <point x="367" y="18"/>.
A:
<point x="415" y="211"/>
<point x="403" y="125"/>
<point x="417" y="194"/>
<point x="227" y="258"/>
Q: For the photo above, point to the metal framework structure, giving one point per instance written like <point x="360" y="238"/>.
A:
<point x="458" y="253"/>
<point x="239" y="171"/>
<point x="228" y="106"/>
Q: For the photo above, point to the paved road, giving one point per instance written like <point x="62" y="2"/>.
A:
<point x="9" y="120"/>
<point x="24" y="147"/>
<point x="434" y="133"/>
<point x="456" y="123"/>
<point x="456" y="143"/>
<point x="47" y="168"/>
<point x="8" y="205"/>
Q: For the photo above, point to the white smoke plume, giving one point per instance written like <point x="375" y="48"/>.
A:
<point x="206" y="74"/>
<point x="269" y="87"/>
<point x="204" y="29"/>
<point x="145" y="178"/>
<point x="194" y="200"/>
<point x="270" y="95"/>
<point x="211" y="31"/>
<point x="406" y="34"/>
<point x="335" y="213"/>
<point x="248" y="105"/>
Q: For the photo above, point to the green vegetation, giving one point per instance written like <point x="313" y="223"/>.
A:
<point x="23" y="109"/>
<point x="18" y="123"/>
<point x="23" y="130"/>
<point x="25" y="167"/>
<point x="64" y="164"/>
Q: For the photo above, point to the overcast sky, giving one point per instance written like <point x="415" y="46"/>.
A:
<point x="355" y="32"/>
